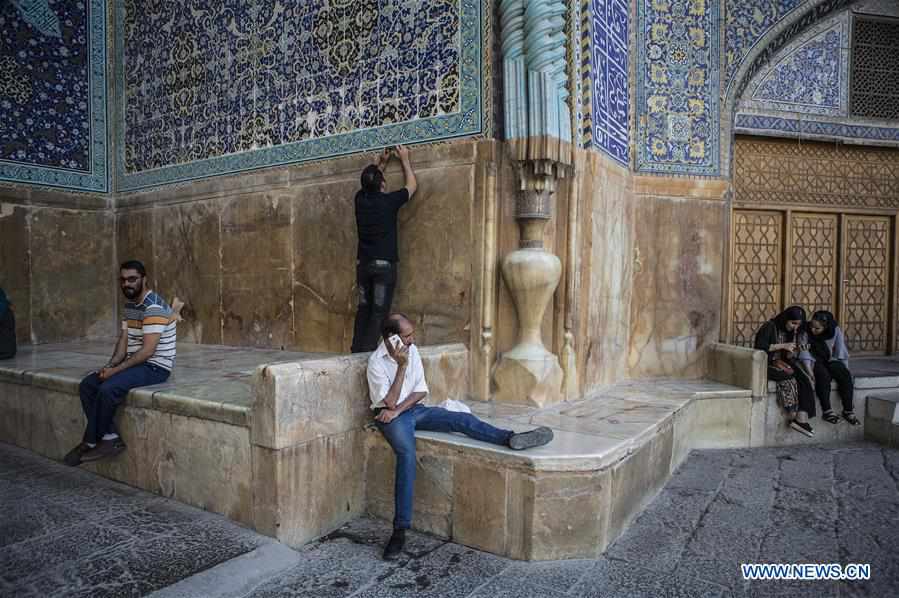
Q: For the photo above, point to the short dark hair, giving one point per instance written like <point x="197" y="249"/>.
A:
<point x="134" y="265"/>
<point x="391" y="324"/>
<point x="371" y="179"/>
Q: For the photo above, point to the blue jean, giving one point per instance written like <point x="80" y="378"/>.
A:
<point x="400" y="434"/>
<point x="101" y="398"/>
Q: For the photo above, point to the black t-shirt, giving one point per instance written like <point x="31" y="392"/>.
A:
<point x="376" y="223"/>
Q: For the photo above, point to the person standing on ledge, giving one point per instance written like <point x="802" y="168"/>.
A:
<point x="144" y="355"/>
<point x="377" y="255"/>
<point x="396" y="385"/>
<point x="7" y="328"/>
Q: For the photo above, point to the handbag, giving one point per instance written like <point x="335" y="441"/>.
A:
<point x="783" y="366"/>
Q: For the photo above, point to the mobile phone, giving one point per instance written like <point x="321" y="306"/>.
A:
<point x="396" y="341"/>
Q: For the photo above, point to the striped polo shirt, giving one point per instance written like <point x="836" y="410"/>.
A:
<point x="151" y="316"/>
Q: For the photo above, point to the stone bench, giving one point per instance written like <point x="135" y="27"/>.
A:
<point x="882" y="421"/>
<point x="572" y="498"/>
<point x="184" y="441"/>
<point x="321" y="462"/>
<point x="278" y="447"/>
<point x="748" y="368"/>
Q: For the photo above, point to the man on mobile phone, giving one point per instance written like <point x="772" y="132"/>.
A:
<point x="396" y="385"/>
<point x="377" y="253"/>
<point x="144" y="355"/>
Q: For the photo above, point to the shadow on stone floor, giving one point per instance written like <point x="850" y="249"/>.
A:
<point x="65" y="532"/>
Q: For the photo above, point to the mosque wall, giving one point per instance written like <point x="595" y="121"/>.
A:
<point x="221" y="87"/>
<point x="53" y="125"/>
<point x="57" y="264"/>
<point x="267" y="259"/>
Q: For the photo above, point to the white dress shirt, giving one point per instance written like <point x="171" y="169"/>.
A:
<point x="382" y="372"/>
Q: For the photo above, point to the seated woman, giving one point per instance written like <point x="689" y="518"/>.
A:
<point x="7" y="328"/>
<point x="781" y="338"/>
<point x="830" y="361"/>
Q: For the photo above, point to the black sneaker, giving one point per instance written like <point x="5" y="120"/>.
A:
<point x="395" y="545"/>
<point x="534" y="438"/>
<point x="104" y="450"/>
<point x="73" y="457"/>
<point x="802" y="428"/>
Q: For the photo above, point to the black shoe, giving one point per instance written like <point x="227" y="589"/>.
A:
<point x="395" y="545"/>
<point x="104" y="450"/>
<point x="534" y="438"/>
<point x="802" y="428"/>
<point x="73" y="457"/>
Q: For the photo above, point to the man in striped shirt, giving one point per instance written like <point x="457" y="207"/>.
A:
<point x="144" y="355"/>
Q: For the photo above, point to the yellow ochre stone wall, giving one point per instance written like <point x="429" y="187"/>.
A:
<point x="267" y="259"/>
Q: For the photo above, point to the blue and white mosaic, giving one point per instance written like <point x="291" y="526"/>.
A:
<point x="813" y="129"/>
<point x="808" y="79"/>
<point x="609" y="65"/>
<point x="746" y="22"/>
<point x="53" y="93"/>
<point x="214" y="87"/>
<point x="804" y="94"/>
<point x="677" y="87"/>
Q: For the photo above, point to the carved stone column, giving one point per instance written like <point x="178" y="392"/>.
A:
<point x="529" y="373"/>
<point x="538" y="131"/>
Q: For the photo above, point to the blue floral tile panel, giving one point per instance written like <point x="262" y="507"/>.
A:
<point x="53" y="93"/>
<point x="206" y="85"/>
<point x="677" y="87"/>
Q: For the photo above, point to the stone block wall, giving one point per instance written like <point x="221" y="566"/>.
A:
<point x="268" y="258"/>
<point x="651" y="261"/>
<point x="309" y="439"/>
<point x="57" y="263"/>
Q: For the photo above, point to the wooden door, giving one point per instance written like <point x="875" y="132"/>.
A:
<point x="836" y="262"/>
<point x="864" y="312"/>
<point x="757" y="271"/>
<point x="813" y="261"/>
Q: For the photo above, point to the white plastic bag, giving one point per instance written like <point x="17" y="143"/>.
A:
<point x="454" y="405"/>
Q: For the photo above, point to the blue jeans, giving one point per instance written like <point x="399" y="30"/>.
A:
<point x="400" y="433"/>
<point x="99" y="398"/>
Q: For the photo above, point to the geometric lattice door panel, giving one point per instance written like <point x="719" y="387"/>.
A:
<point x="758" y="238"/>
<point x="866" y="282"/>
<point x="813" y="280"/>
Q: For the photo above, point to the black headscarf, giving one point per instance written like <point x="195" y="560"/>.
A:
<point x="819" y="347"/>
<point x="794" y="312"/>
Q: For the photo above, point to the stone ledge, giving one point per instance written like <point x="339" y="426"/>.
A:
<point x="66" y="381"/>
<point x="573" y="497"/>
<point x="882" y="418"/>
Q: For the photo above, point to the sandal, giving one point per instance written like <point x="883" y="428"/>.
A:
<point x="850" y="417"/>
<point x="830" y="417"/>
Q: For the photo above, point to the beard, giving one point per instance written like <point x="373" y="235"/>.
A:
<point x="131" y="293"/>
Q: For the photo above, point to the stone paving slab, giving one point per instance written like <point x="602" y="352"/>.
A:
<point x="66" y="532"/>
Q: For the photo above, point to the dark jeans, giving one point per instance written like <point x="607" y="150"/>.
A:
<point x="833" y="370"/>
<point x="400" y="433"/>
<point x="806" y="393"/>
<point x="99" y="399"/>
<point x="375" y="280"/>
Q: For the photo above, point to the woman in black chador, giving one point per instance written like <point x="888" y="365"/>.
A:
<point x="782" y="339"/>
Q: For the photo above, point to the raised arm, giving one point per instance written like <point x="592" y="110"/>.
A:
<point x="382" y="159"/>
<point x="411" y="183"/>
